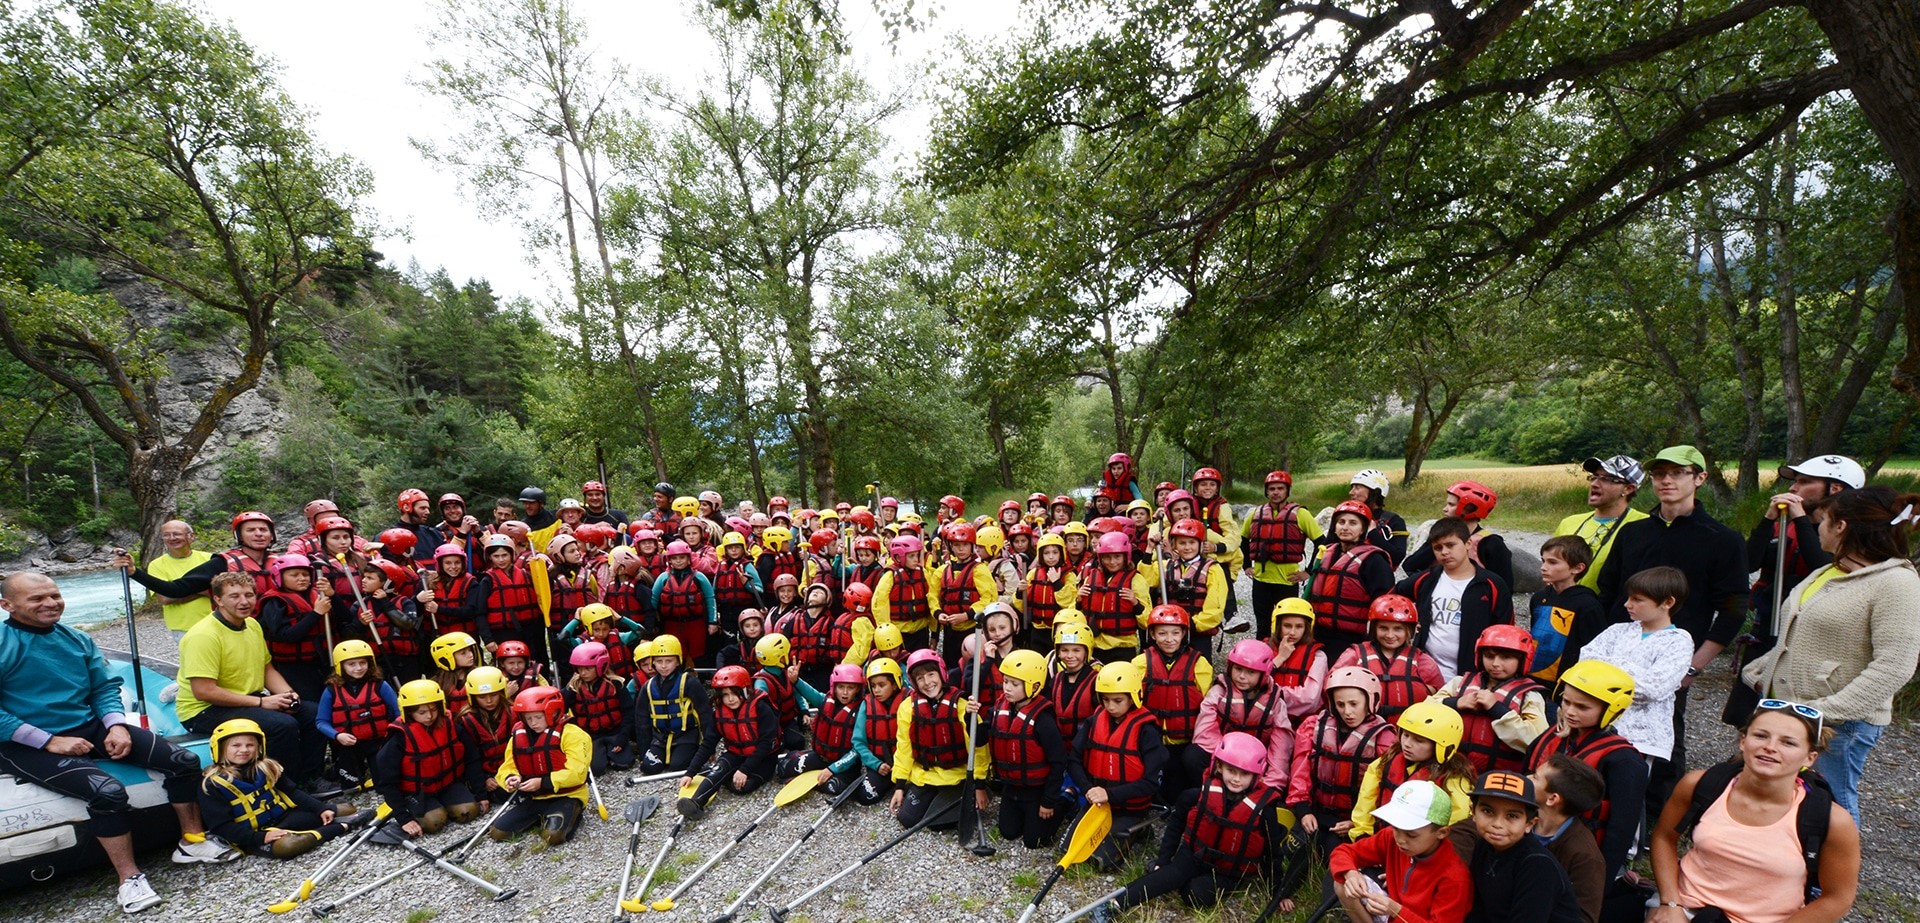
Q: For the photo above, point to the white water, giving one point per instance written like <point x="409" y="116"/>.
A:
<point x="95" y="597"/>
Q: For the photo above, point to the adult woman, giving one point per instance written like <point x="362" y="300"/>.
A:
<point x="1747" y="861"/>
<point x="1850" y="632"/>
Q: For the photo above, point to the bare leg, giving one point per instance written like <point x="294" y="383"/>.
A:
<point x="1356" y="911"/>
<point x="119" y="850"/>
<point x="189" y="817"/>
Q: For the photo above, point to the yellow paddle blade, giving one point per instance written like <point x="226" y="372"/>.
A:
<point x="383" y="811"/>
<point x="1094" y="825"/>
<point x="633" y="905"/>
<point x="797" y="789"/>
<point x="1285" y="817"/>
<point x="542" y="587"/>
<point x="663" y="905"/>
<point x="689" y="786"/>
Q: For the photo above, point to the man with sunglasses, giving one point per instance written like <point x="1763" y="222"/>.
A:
<point x="1611" y="484"/>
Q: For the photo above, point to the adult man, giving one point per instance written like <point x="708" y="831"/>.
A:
<point x="504" y="512"/>
<point x="252" y="536"/>
<point x="661" y="512"/>
<point x="1680" y="534"/>
<point x="1611" y="484"/>
<point x="416" y="516"/>
<point x="458" y="527"/>
<point x="225" y="673"/>
<point x="593" y="496"/>
<point x="180" y="612"/>
<point x="60" y="710"/>
<point x="1274" y="540"/>
<point x="533" y="501"/>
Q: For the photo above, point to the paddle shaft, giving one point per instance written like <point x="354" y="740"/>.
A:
<point x="721" y="853"/>
<point x="1779" y="564"/>
<point x="369" y="887"/>
<point x="1089" y="908"/>
<point x="454" y="870"/>
<point x="782" y="860"/>
<point x="1033" y="906"/>
<point x="925" y="822"/>
<point x="133" y="650"/>
<point x="654" y="867"/>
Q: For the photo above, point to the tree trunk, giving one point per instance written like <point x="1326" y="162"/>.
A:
<point x="997" y="431"/>
<point x="1786" y="307"/>
<point x="1860" y="371"/>
<point x="1746" y="368"/>
<point x="153" y="477"/>
<point x="573" y="258"/>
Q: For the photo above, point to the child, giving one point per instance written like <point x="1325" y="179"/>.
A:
<point x="1071" y="686"/>
<point x="1079" y="546"/>
<point x="1566" y="613"/>
<point x="809" y="629"/>
<point x="422" y="770"/>
<point x="451" y="605"/>
<point x="1175" y="681"/>
<point x="246" y="799"/>
<point x="1470" y="502"/>
<point x="752" y="626"/>
<point x="1274" y="540"/>
<point x="1568" y="788"/>
<point x="1299" y="665"/>
<point x="789" y="694"/>
<point x="736" y="583"/>
<point x="832" y="751"/>
<point x="454" y="654"/>
<point x="1229" y="832"/>
<point x="786" y="601"/>
<point x="1407" y="673"/>
<point x="963" y="587"/>
<point x="290" y="618"/>
<point x="1050" y="587"/>
<point x="515" y="660"/>
<point x="673" y="724"/>
<point x="888" y="644"/>
<point x="485" y="725"/>
<point x="900" y="598"/>
<point x="751" y="730"/>
<point x="930" y="747"/>
<point x="390" y="617"/>
<point x="684" y="599"/>
<point x="876" y="734"/>
<point x="1456" y="599"/>
<point x="1113" y="595"/>
<point x="1503" y="708"/>
<point x="599" y="704"/>
<point x="866" y="567"/>
<point x="1244" y="701"/>
<point x="569" y="578"/>
<point x="626" y="587"/>
<point x="1348" y="576"/>
<point x="997" y="626"/>
<point x="356" y="711"/>
<point x="509" y="609"/>
<point x="1658" y="655"/>
<point x="546" y="761"/>
<point x="598" y="622"/>
<point x="1029" y="755"/>
<point x="852" y="640"/>
<point x="1592" y="694"/>
<point x="1428" y="748"/>
<point x="1515" y="878"/>
<point x="1425" y="880"/>
<point x="1118" y="759"/>
<point x="1331" y="753"/>
<point x="1196" y="583"/>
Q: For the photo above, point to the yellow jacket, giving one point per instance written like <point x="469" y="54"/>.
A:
<point x="1140" y="586"/>
<point x="570" y="781"/>
<point x="1066" y="597"/>
<point x="906" y="770"/>
<point x="1202" y="678"/>
<point x="983" y="587"/>
<point x="862" y="645"/>
<point x="1369" y="798"/>
<point x="1268" y="571"/>
<point x="1213" y="606"/>
<point x="883" y="596"/>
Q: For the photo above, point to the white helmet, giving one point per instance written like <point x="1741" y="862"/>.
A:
<point x="1374" y="478"/>
<point x="1832" y="467"/>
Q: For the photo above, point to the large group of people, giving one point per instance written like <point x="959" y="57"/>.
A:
<point x="1377" y="706"/>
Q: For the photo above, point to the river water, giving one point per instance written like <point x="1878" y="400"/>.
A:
<point x="95" y="597"/>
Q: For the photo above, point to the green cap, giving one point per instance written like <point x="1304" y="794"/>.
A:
<point x="1679" y="455"/>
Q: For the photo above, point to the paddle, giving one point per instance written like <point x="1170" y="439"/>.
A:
<point x="973" y="834"/>
<point x="1088" y="832"/>
<point x="797" y="789"/>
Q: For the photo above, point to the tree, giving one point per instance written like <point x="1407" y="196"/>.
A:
<point x="159" y="147"/>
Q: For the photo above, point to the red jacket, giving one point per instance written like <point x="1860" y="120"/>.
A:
<point x="1437" y="888"/>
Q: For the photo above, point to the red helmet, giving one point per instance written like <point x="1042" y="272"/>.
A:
<point x="591" y="486"/>
<point x="806" y="513"/>
<point x="1037" y="495"/>
<point x="957" y="531"/>
<point x="409" y="497"/>
<point x="1113" y="543"/>
<point x="863" y="518"/>
<point x="821" y="538"/>
<point x="1189" y="528"/>
<point x="1279" y="477"/>
<point x="397" y="574"/>
<point x="732" y="677"/>
<point x="1472" y="500"/>
<point x="315" y="507"/>
<point x="1356" y="508"/>
<point x="400" y="541"/>
<point x="1064" y="500"/>
<point x="1168" y="614"/>
<point x="1006" y="505"/>
<point x="677" y="548"/>
<point x="1394" y="608"/>
<point x="449" y="550"/>
<point x="913" y="527"/>
<point x="957" y="505"/>
<point x="512" y="649"/>
<point x="323" y="526"/>
<point x="857" y="595"/>
<point x="1506" y="638"/>
<point x="544" y="700"/>
<point x="594" y="533"/>
<point x="869" y="543"/>
<point x="1101" y="525"/>
<point x="786" y="580"/>
<point x="843" y="507"/>
<point x="1020" y="528"/>
<point x="1208" y="474"/>
<point x="451" y="498"/>
<point x="257" y="516"/>
<point x="778" y="501"/>
<point x="515" y="528"/>
<point x="1165" y="485"/>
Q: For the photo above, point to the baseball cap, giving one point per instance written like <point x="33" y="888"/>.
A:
<point x="1617" y="466"/>
<point x="1501" y="783"/>
<point x="1680" y="455"/>
<point x="1832" y="467"/>
<point x="1417" y="803"/>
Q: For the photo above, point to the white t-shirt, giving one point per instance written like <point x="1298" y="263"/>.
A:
<point x="1443" y="635"/>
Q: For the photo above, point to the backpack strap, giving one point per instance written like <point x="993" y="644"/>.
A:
<point x="1810" y="824"/>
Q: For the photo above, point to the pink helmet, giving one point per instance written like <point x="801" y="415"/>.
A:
<point x="1114" y="543"/>
<point x="905" y="545"/>
<point x="1242" y="751"/>
<point x="642" y="532"/>
<point x="559" y="543"/>
<point x="1253" y="654"/>
<point x="1359" y="678"/>
<point x="886" y="502"/>
<point x="1178" y="494"/>
<point x="677" y="547"/>
<point x="590" y="654"/>
<point x="449" y="550"/>
<point x="848" y="673"/>
<point x="282" y="562"/>
<point x="929" y="656"/>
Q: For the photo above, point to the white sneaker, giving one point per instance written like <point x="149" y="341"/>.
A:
<point x="209" y="851"/>
<point x="1240" y="623"/>
<point x="136" y="895"/>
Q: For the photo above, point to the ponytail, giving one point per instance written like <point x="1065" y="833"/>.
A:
<point x="1879" y="521"/>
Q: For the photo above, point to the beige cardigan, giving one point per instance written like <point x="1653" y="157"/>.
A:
<point x="1853" y="644"/>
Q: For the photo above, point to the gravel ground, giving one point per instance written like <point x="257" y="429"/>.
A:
<point x="928" y="878"/>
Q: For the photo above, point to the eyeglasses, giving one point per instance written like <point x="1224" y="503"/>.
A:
<point x="1804" y="711"/>
<point x="1608" y="479"/>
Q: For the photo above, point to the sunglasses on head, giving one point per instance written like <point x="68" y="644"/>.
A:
<point x="1807" y="712"/>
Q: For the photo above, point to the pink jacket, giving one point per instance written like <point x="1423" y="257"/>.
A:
<point x="1300" y="780"/>
<point x="1305" y="699"/>
<point x="1277" y="733"/>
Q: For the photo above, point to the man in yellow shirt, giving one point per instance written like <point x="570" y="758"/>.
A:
<point x="1275" y="541"/>
<point x="226" y="673"/>
<point x="181" y="613"/>
<point x="1611" y="484"/>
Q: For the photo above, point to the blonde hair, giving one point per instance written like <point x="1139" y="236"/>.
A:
<point x="266" y="765"/>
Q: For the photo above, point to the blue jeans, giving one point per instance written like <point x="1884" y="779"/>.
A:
<point x="1846" y="758"/>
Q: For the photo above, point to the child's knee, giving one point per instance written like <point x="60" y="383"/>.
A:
<point x="464" y="813"/>
<point x="433" y="821"/>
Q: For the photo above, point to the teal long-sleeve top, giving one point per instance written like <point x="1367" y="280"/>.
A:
<point x="706" y="593"/>
<point x="53" y="680"/>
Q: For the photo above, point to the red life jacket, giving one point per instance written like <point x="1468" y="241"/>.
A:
<point x="1210" y="512"/>
<point x="1073" y="700"/>
<point x="360" y="712"/>
<point x="432" y="759"/>
<point x="492" y="737"/>
<point x="511" y="605"/>
<point x="780" y="563"/>
<point x="833" y="729"/>
<point x="1592" y="750"/>
<point x="1339" y="760"/>
<point x="907" y="599"/>
<point x="780" y="693"/>
<point x="883" y="725"/>
<point x="399" y="640"/>
<point x="596" y="706"/>
<point x="1400" y="685"/>
<point x="1478" y="742"/>
<point x="868" y="574"/>
<point x="957" y="592"/>
<point x="239" y="562"/>
<point x="740" y="727"/>
<point x="1397" y="773"/>
<point x="731" y="591"/>
<point x="450" y="598"/>
<point x="1228" y="831"/>
<point x="811" y="636"/>
<point x="1113" y="754"/>
<point x="1250" y="714"/>
<point x="1276" y="536"/>
<point x="681" y="599"/>
<point x="1292" y="673"/>
<point x="309" y="649"/>
<point x="1338" y="593"/>
<point x="1079" y="562"/>
<point x="570" y="592"/>
<point x="1187" y="587"/>
<point x="454" y="684"/>
<point x="1015" y="744"/>
<point x="840" y="641"/>
<point x="538" y="755"/>
<point x="1043" y="595"/>
<point x="342" y="580"/>
<point x="653" y="563"/>
<point x="627" y="599"/>
<point x="1169" y="693"/>
<point x="1106" y="612"/>
<point x="939" y="737"/>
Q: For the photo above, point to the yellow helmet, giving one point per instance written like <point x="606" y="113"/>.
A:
<point x="686" y="506"/>
<point x="233" y="726"/>
<point x="444" y="647"/>
<point x="486" y="680"/>
<point x="829" y="515"/>
<point x="731" y="539"/>
<point x="886" y="666"/>
<point x="1050" y="540"/>
<point x="1026" y="666"/>
<point x="1123" y="676"/>
<point x="776" y="537"/>
<point x="593" y="614"/>
<point x="1293" y="606"/>
<point x="1603" y="681"/>
<point x="350" y="649"/>
<point x="668" y="646"/>
<point x="990" y="539"/>
<point x="1076" y="528"/>
<point x="643" y="651"/>
<point x="887" y="637"/>
<point x="911" y="517"/>
<point x="1072" y="633"/>
<point x="772" y="650"/>
<point x="421" y="692"/>
<point x="1435" y="722"/>
<point x="1139" y="505"/>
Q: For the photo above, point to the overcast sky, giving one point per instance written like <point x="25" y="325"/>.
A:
<point x="349" y="63"/>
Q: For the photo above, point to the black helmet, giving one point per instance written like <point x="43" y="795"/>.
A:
<point x="533" y="495"/>
<point x="665" y="488"/>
